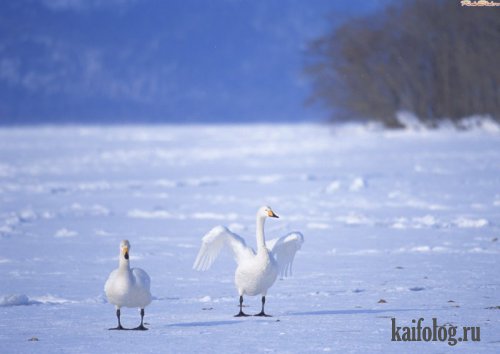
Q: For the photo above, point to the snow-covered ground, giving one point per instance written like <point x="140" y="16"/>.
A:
<point x="409" y="217"/>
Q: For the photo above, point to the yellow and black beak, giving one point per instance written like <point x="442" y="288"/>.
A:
<point x="125" y="252"/>
<point x="271" y="214"/>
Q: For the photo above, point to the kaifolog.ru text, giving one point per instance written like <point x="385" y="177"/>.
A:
<point x="418" y="333"/>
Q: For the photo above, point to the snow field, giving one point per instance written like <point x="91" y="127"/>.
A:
<point x="411" y="217"/>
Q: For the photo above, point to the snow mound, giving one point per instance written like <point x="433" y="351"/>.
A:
<point x="64" y="232"/>
<point x="357" y="184"/>
<point x="94" y="210"/>
<point x="16" y="300"/>
<point x="51" y="300"/>
<point x="25" y="300"/>
<point x="463" y="222"/>
<point x="155" y="214"/>
<point x="354" y="219"/>
<point x="478" y="123"/>
<point x="332" y="187"/>
<point x="214" y="216"/>
<point x="419" y="222"/>
<point x="410" y="121"/>
<point x="318" y="226"/>
<point x="205" y="299"/>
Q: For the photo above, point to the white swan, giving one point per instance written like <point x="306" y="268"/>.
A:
<point x="256" y="271"/>
<point x="127" y="287"/>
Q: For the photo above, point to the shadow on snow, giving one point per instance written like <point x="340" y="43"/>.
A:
<point x="203" y="324"/>
<point x="349" y="312"/>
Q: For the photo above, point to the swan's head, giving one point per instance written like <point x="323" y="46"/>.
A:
<point x="266" y="211"/>
<point x="124" y="248"/>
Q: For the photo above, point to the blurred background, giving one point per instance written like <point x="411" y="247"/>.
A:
<point x="177" y="61"/>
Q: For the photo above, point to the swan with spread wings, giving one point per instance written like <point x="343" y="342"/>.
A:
<point x="256" y="271"/>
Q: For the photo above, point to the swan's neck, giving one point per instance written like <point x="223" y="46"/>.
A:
<point x="261" y="241"/>
<point x="124" y="263"/>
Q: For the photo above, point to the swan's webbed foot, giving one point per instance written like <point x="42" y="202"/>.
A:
<point x="119" y="328"/>
<point x="262" y="314"/>
<point x="241" y="314"/>
<point x="140" y="328"/>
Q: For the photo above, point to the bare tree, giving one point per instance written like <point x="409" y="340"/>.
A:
<point x="434" y="58"/>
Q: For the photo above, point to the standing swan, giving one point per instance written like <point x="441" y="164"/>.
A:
<point x="256" y="271"/>
<point x="128" y="287"/>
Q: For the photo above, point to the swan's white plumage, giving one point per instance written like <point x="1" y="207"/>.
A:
<point x="128" y="287"/>
<point x="256" y="271"/>
<point x="284" y="250"/>
<point x="213" y="242"/>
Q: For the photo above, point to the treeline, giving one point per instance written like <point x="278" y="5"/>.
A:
<point x="434" y="58"/>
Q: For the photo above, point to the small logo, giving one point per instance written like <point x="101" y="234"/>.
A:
<point x="479" y="3"/>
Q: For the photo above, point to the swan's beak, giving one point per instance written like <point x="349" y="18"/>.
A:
<point x="125" y="252"/>
<point x="271" y="214"/>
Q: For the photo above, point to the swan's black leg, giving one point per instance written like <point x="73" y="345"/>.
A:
<point x="241" y="314"/>
<point x="119" y="323"/>
<point x="141" y="326"/>
<point x="262" y="313"/>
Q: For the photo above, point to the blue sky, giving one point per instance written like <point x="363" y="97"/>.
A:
<point x="153" y="60"/>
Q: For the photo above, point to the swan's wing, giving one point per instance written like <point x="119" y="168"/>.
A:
<point x="142" y="278"/>
<point x="284" y="249"/>
<point x="213" y="242"/>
